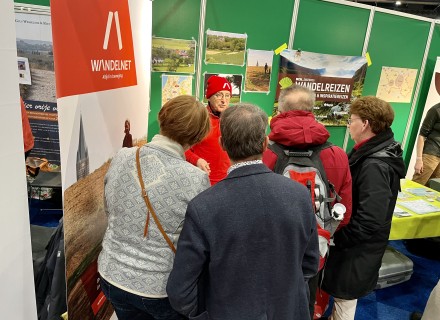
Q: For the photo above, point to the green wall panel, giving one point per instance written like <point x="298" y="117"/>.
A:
<point x="178" y="19"/>
<point x="267" y="25"/>
<point x="395" y="41"/>
<point x="331" y="28"/>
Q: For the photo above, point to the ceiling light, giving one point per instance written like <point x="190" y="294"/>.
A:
<point x="398" y="3"/>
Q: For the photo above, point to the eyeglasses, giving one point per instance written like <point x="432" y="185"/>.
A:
<point x="220" y="95"/>
<point x="350" y="120"/>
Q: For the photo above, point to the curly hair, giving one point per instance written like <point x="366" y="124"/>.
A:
<point x="378" y="112"/>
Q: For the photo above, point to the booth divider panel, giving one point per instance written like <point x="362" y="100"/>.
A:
<point x="171" y="19"/>
<point x="400" y="42"/>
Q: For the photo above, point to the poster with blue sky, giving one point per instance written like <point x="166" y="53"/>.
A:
<point x="336" y="80"/>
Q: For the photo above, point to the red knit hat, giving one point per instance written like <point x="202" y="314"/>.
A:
<point x="216" y="84"/>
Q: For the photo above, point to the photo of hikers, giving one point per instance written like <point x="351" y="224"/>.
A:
<point x="258" y="71"/>
<point x="173" y="55"/>
<point x="225" y="48"/>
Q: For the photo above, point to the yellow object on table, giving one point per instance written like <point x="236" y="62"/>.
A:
<point x="416" y="225"/>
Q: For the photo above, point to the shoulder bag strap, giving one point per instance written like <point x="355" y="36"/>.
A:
<point x="150" y="207"/>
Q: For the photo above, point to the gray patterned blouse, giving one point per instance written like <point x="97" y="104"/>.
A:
<point x="128" y="260"/>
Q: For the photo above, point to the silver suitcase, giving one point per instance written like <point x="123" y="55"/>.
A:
<point x="396" y="268"/>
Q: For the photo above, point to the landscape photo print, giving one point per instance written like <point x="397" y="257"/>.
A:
<point x="258" y="71"/>
<point x="173" y="55"/>
<point x="225" y="48"/>
<point x="336" y="80"/>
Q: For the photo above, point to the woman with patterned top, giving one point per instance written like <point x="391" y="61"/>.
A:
<point x="136" y="259"/>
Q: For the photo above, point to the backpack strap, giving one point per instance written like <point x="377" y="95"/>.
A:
<point x="305" y="157"/>
<point x="286" y="155"/>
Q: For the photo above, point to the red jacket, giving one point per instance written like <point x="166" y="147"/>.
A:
<point x="299" y="129"/>
<point x="210" y="150"/>
<point x="28" y="137"/>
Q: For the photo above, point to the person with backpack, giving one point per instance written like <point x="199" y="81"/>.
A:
<point x="295" y="128"/>
<point x="376" y="165"/>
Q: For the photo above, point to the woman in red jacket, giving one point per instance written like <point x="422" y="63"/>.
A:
<point x="208" y="155"/>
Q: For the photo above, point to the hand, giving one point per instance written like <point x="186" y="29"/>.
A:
<point x="418" y="168"/>
<point x="203" y="165"/>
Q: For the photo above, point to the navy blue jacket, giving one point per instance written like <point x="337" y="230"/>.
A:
<point x="248" y="246"/>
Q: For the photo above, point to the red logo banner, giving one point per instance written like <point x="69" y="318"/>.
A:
<point x="93" y="46"/>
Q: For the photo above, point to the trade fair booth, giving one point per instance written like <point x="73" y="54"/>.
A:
<point x="87" y="67"/>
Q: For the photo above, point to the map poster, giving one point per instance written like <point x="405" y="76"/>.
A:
<point x="336" y="80"/>
<point x="396" y="84"/>
<point x="175" y="85"/>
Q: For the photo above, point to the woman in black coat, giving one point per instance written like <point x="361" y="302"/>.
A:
<point x="376" y="167"/>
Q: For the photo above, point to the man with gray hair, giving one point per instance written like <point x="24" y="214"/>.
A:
<point x="249" y="244"/>
<point x="295" y="128"/>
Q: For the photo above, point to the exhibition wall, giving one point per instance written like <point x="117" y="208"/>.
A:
<point x="328" y="27"/>
<point x="390" y="38"/>
<point x="16" y="274"/>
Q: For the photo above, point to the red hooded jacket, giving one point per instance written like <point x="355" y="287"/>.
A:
<point x="299" y="129"/>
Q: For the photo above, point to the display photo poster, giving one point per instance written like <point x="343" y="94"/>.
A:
<point x="225" y="48"/>
<point x="43" y="119"/>
<point x="37" y="83"/>
<point x="258" y="71"/>
<point x="173" y="55"/>
<point x="336" y="80"/>
<point x="103" y="98"/>
<point x="235" y="80"/>
<point x="35" y="57"/>
<point x="24" y="72"/>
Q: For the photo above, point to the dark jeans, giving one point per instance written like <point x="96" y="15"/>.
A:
<point x="129" y="306"/>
